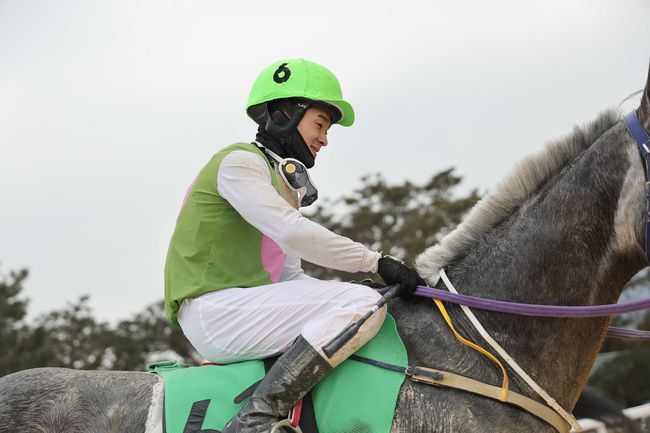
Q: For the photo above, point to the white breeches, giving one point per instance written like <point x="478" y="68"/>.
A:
<point x="238" y="324"/>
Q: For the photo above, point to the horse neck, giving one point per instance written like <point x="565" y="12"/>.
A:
<point x="575" y="241"/>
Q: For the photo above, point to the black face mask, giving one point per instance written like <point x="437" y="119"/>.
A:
<point x="280" y="134"/>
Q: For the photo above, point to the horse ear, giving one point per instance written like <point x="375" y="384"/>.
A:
<point x="644" y="108"/>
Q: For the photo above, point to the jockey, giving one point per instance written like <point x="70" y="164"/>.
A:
<point x="233" y="276"/>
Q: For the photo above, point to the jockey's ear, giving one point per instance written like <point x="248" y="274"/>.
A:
<point x="644" y="108"/>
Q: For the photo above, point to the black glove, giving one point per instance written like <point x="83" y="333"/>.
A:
<point x="394" y="271"/>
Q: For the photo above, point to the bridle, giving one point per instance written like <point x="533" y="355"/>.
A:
<point x="642" y="140"/>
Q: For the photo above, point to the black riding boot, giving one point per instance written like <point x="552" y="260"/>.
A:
<point x="290" y="378"/>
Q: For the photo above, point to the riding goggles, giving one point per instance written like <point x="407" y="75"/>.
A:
<point x="296" y="177"/>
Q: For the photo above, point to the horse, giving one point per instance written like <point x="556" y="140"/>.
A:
<point x="564" y="227"/>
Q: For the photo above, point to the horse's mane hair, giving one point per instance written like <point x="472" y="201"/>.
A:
<point x="524" y="179"/>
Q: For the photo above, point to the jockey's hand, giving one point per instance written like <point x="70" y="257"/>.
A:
<point x="394" y="271"/>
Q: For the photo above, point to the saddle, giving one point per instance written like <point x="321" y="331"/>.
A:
<point x="356" y="397"/>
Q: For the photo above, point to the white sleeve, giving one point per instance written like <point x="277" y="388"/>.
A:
<point x="244" y="181"/>
<point x="293" y="270"/>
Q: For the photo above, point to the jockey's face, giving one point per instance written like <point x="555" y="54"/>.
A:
<point x="313" y="128"/>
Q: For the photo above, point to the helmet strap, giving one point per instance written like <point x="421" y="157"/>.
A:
<point x="275" y="127"/>
<point x="280" y="133"/>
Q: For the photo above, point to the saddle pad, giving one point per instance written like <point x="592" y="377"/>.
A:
<point x="354" y="398"/>
<point x="198" y="399"/>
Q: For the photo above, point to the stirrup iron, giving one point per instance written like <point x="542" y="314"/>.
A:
<point x="285" y="425"/>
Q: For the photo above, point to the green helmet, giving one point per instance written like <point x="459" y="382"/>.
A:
<point x="298" y="78"/>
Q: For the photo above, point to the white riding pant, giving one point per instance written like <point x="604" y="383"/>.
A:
<point x="238" y="324"/>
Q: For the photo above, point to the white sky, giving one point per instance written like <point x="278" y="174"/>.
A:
<point x="109" y="108"/>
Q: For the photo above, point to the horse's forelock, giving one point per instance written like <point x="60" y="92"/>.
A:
<point x="526" y="177"/>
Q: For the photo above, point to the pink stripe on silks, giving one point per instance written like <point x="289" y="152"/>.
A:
<point x="187" y="196"/>
<point x="273" y="258"/>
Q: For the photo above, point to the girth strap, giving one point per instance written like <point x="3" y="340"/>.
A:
<point x="456" y="381"/>
<point x="446" y="379"/>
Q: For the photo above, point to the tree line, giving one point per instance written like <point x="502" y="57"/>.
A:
<point x="401" y="220"/>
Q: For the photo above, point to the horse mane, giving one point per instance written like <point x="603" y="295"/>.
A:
<point x="522" y="181"/>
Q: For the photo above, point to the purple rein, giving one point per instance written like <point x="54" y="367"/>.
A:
<point x="545" y="310"/>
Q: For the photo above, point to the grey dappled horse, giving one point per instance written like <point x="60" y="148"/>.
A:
<point x="564" y="228"/>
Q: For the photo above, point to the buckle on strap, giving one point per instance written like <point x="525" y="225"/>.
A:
<point x="425" y="375"/>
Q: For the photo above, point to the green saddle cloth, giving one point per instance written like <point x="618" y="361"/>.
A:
<point x="354" y="398"/>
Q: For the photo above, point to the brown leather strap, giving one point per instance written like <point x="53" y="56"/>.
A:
<point x="452" y="380"/>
